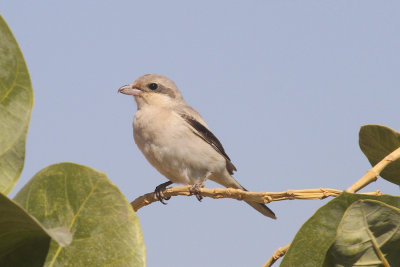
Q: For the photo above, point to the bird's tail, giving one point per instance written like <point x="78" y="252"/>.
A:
<point x="262" y="208"/>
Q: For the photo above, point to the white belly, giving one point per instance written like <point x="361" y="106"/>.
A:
<point x="173" y="149"/>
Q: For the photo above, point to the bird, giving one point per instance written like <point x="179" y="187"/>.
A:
<point x="176" y="140"/>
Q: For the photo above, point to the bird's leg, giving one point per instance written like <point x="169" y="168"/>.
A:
<point x="159" y="194"/>
<point x="195" y="190"/>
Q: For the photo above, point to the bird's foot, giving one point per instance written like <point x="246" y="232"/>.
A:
<point x="159" y="192"/>
<point x="195" y="190"/>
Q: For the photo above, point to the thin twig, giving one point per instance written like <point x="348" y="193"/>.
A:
<point x="260" y="197"/>
<point x="277" y="254"/>
<point x="373" y="174"/>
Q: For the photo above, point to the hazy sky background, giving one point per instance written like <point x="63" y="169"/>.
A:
<point x="285" y="86"/>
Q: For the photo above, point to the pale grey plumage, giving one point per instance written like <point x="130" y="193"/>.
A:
<point x="175" y="139"/>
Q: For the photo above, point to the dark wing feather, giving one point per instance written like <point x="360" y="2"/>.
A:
<point x="210" y="138"/>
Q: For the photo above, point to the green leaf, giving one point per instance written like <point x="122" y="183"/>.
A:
<point x="24" y="241"/>
<point x="368" y="235"/>
<point x="315" y="237"/>
<point x="106" y="231"/>
<point x="16" y="102"/>
<point x="376" y="142"/>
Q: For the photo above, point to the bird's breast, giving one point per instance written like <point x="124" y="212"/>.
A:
<point x="157" y="126"/>
<point x="170" y="145"/>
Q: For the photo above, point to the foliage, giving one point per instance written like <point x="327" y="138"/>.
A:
<point x="355" y="229"/>
<point x="16" y="102"/>
<point x="68" y="214"/>
<point x="377" y="142"/>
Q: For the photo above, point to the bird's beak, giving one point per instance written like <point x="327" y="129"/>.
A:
<point x="129" y="90"/>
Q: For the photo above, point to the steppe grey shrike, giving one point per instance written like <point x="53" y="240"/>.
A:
<point x="176" y="140"/>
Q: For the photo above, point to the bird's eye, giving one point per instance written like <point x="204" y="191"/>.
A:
<point x="152" y="86"/>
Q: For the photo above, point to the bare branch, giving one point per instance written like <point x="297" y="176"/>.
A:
<point x="280" y="252"/>
<point x="260" y="197"/>
<point x="373" y="174"/>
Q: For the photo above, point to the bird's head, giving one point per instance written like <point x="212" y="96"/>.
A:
<point x="153" y="89"/>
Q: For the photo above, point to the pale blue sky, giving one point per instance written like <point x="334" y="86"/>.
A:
<point x="285" y="85"/>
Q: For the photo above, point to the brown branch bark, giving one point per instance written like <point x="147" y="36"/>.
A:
<point x="260" y="197"/>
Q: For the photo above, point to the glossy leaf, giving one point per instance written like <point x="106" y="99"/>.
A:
<point x="318" y="233"/>
<point x="376" y="142"/>
<point x="16" y="102"/>
<point x="368" y="235"/>
<point x="24" y="241"/>
<point x="106" y="231"/>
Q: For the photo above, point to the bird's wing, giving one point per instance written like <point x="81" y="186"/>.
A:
<point x="187" y="110"/>
<point x="204" y="133"/>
